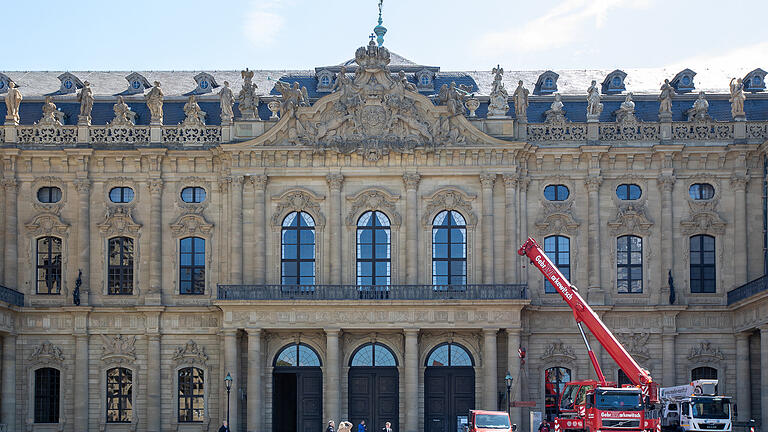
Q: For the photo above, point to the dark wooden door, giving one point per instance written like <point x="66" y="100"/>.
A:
<point x="297" y="400"/>
<point x="449" y="392"/>
<point x="374" y="396"/>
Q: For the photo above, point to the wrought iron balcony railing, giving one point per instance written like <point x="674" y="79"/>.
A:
<point x="11" y="296"/>
<point x="748" y="289"/>
<point x="376" y="292"/>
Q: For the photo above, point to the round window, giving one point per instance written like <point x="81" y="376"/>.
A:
<point x="701" y="191"/>
<point x="136" y="85"/>
<point x="616" y="81"/>
<point x="49" y="194"/>
<point x="628" y="192"/>
<point x="424" y="80"/>
<point x="193" y="194"/>
<point x="121" y="194"/>
<point x="686" y="80"/>
<point x="325" y="81"/>
<point x="68" y="84"/>
<point x="556" y="193"/>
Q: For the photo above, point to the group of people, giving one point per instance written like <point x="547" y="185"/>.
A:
<point x="346" y="426"/>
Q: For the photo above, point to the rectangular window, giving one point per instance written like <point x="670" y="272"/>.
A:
<point x="191" y="395"/>
<point x="558" y="249"/>
<point x="47" y="381"/>
<point x="120" y="266"/>
<point x="702" y="264"/>
<point x="629" y="264"/>
<point x="49" y="265"/>
<point x="192" y="266"/>
<point x="119" y="395"/>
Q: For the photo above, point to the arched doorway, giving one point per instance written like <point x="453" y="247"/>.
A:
<point x="297" y="390"/>
<point x="555" y="379"/>
<point x="449" y="388"/>
<point x="374" y="387"/>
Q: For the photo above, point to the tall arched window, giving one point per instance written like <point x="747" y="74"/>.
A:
<point x="450" y="355"/>
<point x="120" y="266"/>
<point x="191" y="395"/>
<point x="47" y="388"/>
<point x="449" y="249"/>
<point x="119" y="395"/>
<point x="629" y="264"/>
<point x="373" y="354"/>
<point x="298" y="249"/>
<point x="373" y="249"/>
<point x="703" y="372"/>
<point x="297" y="355"/>
<point x="555" y="379"/>
<point x="558" y="249"/>
<point x="49" y="265"/>
<point x="702" y="264"/>
<point x="192" y="265"/>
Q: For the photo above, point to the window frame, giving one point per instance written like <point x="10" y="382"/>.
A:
<point x="50" y="269"/>
<point x="297" y="347"/>
<point x="555" y="258"/>
<point x="449" y="346"/>
<point x="559" y="381"/>
<point x="703" y="369"/>
<point x="699" y="187"/>
<point x="195" y="192"/>
<point x="374" y="228"/>
<point x="373" y="346"/>
<point x="449" y="244"/>
<point x="629" y="265"/>
<point x="122" y="269"/>
<point x="122" y="190"/>
<point x="700" y="266"/>
<point x="627" y="189"/>
<point x="52" y="396"/>
<point x="557" y="191"/>
<point x="49" y="189"/>
<point x="187" y="391"/>
<point x="297" y="259"/>
<point x="192" y="267"/>
<point x="121" y="396"/>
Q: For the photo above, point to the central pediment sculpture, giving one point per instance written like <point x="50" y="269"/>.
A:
<point x="371" y="114"/>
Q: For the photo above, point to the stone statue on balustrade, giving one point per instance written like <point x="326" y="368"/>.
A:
<point x="407" y="85"/>
<point x="85" y="97"/>
<point x="594" y="107"/>
<point x="155" y="104"/>
<point x="520" y="96"/>
<point x="499" y="98"/>
<point x="226" y="100"/>
<point x="700" y="110"/>
<point x="665" y="99"/>
<point x="626" y="112"/>
<point x="50" y="114"/>
<point x="556" y="113"/>
<point x="737" y="99"/>
<point x="194" y="115"/>
<point x="453" y="97"/>
<point x="248" y="100"/>
<point x="123" y="114"/>
<point x="12" y="101"/>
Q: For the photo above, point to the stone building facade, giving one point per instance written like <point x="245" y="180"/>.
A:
<point x="349" y="251"/>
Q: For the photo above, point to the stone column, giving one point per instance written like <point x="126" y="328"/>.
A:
<point x="81" y="382"/>
<point x="335" y="182"/>
<point x="8" y="403"/>
<point x="83" y="187"/>
<point x="740" y="259"/>
<point x="523" y="234"/>
<point x="510" y="232"/>
<point x="513" y="365"/>
<point x="411" y="181"/>
<point x="230" y="366"/>
<point x="153" y="382"/>
<point x="260" y="228"/>
<point x="11" y="232"/>
<point x="249" y="233"/>
<point x="255" y="412"/>
<point x="487" y="181"/>
<point x="331" y="373"/>
<point x="2" y="233"/>
<point x="666" y="183"/>
<point x="595" y="294"/>
<point x="669" y="363"/>
<point x="156" y="239"/>
<point x="411" y="380"/>
<point x="489" y="369"/>
<point x="764" y="376"/>
<point x="237" y="230"/>
<point x="743" y="383"/>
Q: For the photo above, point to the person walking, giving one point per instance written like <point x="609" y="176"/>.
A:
<point x="387" y="427"/>
<point x="330" y="427"/>
<point x="224" y="426"/>
<point x="361" y="427"/>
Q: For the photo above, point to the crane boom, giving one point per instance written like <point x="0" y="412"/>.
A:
<point x="583" y="313"/>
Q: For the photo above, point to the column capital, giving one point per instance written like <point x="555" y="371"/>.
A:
<point x="331" y="332"/>
<point x="666" y="182"/>
<point x="155" y="187"/>
<point x="10" y="184"/>
<point x="490" y="331"/>
<point x="510" y="180"/>
<point x="742" y="335"/>
<point x="229" y="332"/>
<point x="763" y="329"/>
<point x="259" y="181"/>
<point x="253" y="331"/>
<point x="514" y="330"/>
<point x="411" y="180"/>
<point x="82" y="185"/>
<point x="487" y="180"/>
<point x="335" y="180"/>
<point x="593" y="182"/>
<point x="238" y="181"/>
<point x="224" y="183"/>
<point x="411" y="331"/>
<point x="739" y="182"/>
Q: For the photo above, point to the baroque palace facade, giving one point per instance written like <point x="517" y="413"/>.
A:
<point x="345" y="247"/>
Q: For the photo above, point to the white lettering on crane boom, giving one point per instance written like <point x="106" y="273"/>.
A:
<point x="551" y="274"/>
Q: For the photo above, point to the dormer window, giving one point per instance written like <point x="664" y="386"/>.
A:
<point x="425" y="80"/>
<point x="69" y="84"/>
<point x="614" y="82"/>
<point x="683" y="81"/>
<point x="755" y="81"/>
<point x="137" y="83"/>
<point x="4" y="82"/>
<point x="205" y="84"/>
<point x="546" y="84"/>
<point x="324" y="80"/>
<point x="549" y="82"/>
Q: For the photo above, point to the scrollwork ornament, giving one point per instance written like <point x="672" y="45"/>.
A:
<point x="82" y="186"/>
<point x="487" y="180"/>
<point x="259" y="182"/>
<point x="666" y="182"/>
<point x="593" y="183"/>
<point x="739" y="182"/>
<point x="334" y="181"/>
<point x="510" y="180"/>
<point x="155" y="186"/>
<point x="411" y="181"/>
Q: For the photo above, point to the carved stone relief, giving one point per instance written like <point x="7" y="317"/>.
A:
<point x="118" y="349"/>
<point x="49" y="181"/>
<point x="631" y="218"/>
<point x="449" y="199"/>
<point x="119" y="221"/>
<point x="190" y="353"/>
<point x="46" y="353"/>
<point x="373" y="199"/>
<point x="193" y="182"/>
<point x="191" y="224"/>
<point x="47" y="224"/>
<point x="636" y="344"/>
<point x="556" y="217"/>
<point x="297" y="200"/>
<point x="705" y="351"/>
<point x="558" y="352"/>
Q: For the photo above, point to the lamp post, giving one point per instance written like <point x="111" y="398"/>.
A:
<point x="228" y="384"/>
<point x="508" y="381"/>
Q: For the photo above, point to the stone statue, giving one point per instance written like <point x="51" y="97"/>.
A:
<point x="665" y="97"/>
<point x="556" y="112"/>
<point x="520" y="96"/>
<point x="155" y="104"/>
<point x="453" y="97"/>
<point x="194" y="115"/>
<point x="123" y="114"/>
<point x="248" y="100"/>
<point x="700" y="110"/>
<point x="342" y="80"/>
<point x="85" y="97"/>
<point x="226" y="100"/>
<point x="737" y="98"/>
<point x="626" y="112"/>
<point x="78" y="283"/>
<point x="50" y="114"/>
<point x="293" y="97"/>
<point x="499" y="104"/>
<point x="12" y="101"/>
<point x="594" y="107"/>
<point x="407" y="85"/>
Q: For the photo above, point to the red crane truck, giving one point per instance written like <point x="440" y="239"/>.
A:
<point x="597" y="405"/>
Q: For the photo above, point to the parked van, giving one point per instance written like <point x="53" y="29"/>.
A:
<point x="489" y="421"/>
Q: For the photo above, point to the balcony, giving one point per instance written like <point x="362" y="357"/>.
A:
<point x="11" y="296"/>
<point x="748" y="289"/>
<point x="373" y="293"/>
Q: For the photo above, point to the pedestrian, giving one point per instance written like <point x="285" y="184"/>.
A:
<point x="361" y="427"/>
<point x="224" y="426"/>
<point x="330" y="427"/>
<point x="387" y="427"/>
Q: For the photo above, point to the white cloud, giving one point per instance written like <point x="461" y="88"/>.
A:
<point x="262" y="23"/>
<point x="563" y="25"/>
<point x="748" y="57"/>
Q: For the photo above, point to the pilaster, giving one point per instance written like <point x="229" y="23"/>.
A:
<point x="335" y="182"/>
<point x="666" y="183"/>
<point x="83" y="187"/>
<point x="11" y="186"/>
<point x="154" y="296"/>
<point x="332" y="382"/>
<point x="740" y="260"/>
<point x="236" y="257"/>
<point x="513" y="366"/>
<point x="411" y="181"/>
<point x="510" y="232"/>
<point x="255" y="390"/>
<point x="764" y="376"/>
<point x="743" y="381"/>
<point x="490" y="373"/>
<point x="231" y="368"/>
<point x="487" y="181"/>
<point x="596" y="293"/>
<point x="411" y="380"/>
<point x="8" y="385"/>
<point x="260" y="226"/>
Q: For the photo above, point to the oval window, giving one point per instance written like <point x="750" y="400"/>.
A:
<point x="556" y="193"/>
<point x="49" y="194"/>
<point x="628" y="192"/>
<point x="701" y="191"/>
<point x="325" y="81"/>
<point x="121" y="194"/>
<point x="193" y="194"/>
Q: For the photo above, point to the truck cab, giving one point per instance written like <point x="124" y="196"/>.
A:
<point x="586" y="405"/>
<point x="489" y="421"/>
<point x="695" y="407"/>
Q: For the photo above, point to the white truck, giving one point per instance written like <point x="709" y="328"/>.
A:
<point x="694" y="407"/>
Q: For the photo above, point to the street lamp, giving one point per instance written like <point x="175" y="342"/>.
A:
<point x="228" y="384"/>
<point x="508" y="381"/>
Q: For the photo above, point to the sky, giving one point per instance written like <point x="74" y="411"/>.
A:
<point x="455" y="35"/>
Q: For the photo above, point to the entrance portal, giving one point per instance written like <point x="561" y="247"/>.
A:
<point x="449" y="388"/>
<point x="374" y="390"/>
<point x="297" y="391"/>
